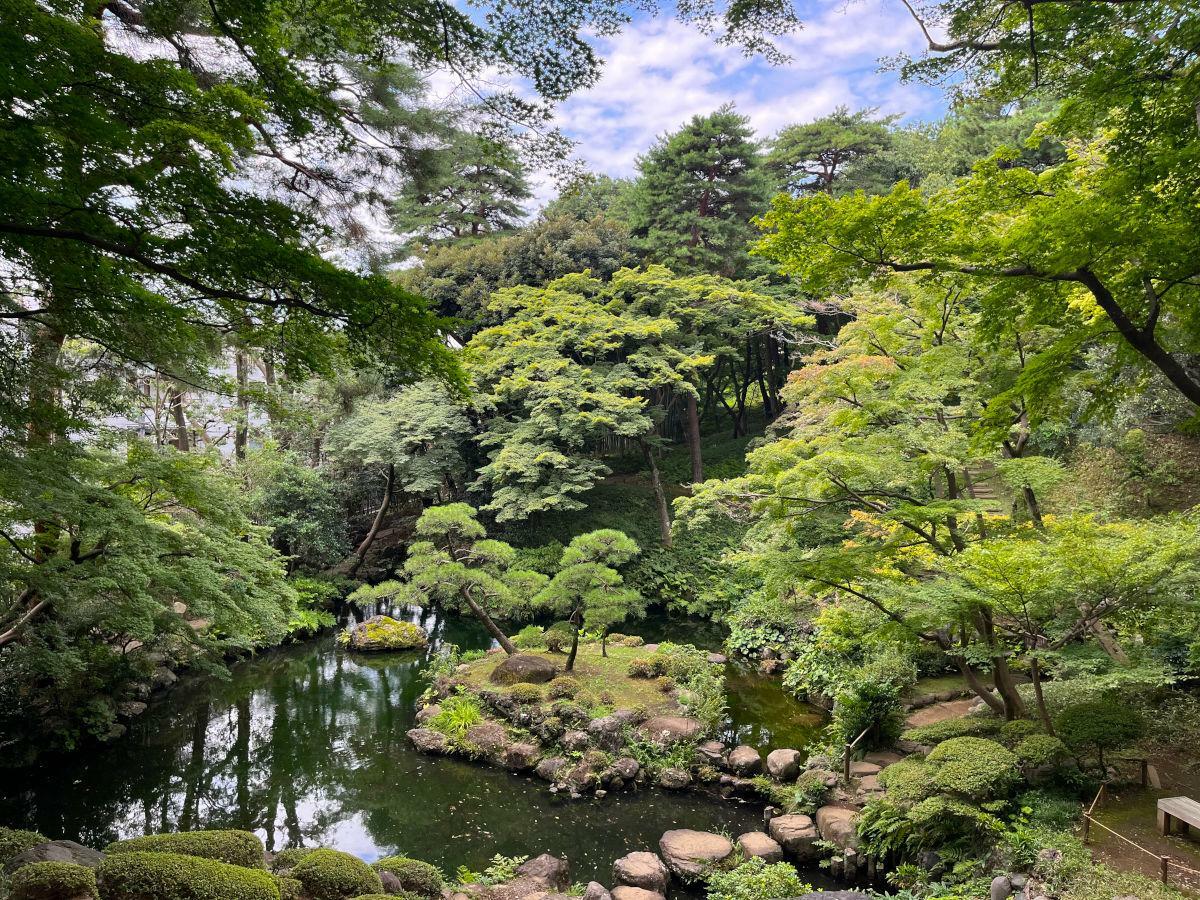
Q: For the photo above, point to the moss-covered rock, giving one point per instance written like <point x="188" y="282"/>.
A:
<point x="384" y="633"/>
<point x="53" y="881"/>
<point x="414" y="875"/>
<point x="17" y="840"/>
<point x="173" y="876"/>
<point x="333" y="875"/>
<point x="238" y="848"/>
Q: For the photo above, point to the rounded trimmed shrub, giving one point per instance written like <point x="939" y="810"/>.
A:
<point x="1100" y="725"/>
<point x="908" y="781"/>
<point x="530" y="637"/>
<point x="289" y="888"/>
<point x="632" y="640"/>
<point x="18" y="840"/>
<point x="173" y="876"/>
<point x="238" y="848"/>
<point x="976" y="768"/>
<point x="52" y="881"/>
<point x="562" y="688"/>
<point x="1040" y="750"/>
<point x="1012" y="733"/>
<point x="415" y="876"/>
<point x="526" y="693"/>
<point x="334" y="875"/>
<point x="665" y="683"/>
<point x="952" y="728"/>
<point x="285" y="859"/>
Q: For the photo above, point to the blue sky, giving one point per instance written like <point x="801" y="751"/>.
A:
<point x="658" y="73"/>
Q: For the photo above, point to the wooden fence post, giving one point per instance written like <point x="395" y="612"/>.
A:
<point x="1164" y="867"/>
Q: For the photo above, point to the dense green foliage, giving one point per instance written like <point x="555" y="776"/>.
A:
<point x="53" y="881"/>
<point x="239" y="848"/>
<point x="171" y="876"/>
<point x="333" y="875"/>
<point x="756" y="879"/>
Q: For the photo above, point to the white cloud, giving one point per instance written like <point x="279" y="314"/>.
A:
<point x="659" y="72"/>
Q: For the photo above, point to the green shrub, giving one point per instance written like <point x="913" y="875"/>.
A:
<point x="562" y="688"/>
<point x="630" y="640"/>
<point x="868" y="706"/>
<point x="238" y="848"/>
<point x="1040" y="750"/>
<point x="415" y="876"/>
<point x="526" y="693"/>
<point x="756" y="879"/>
<point x="456" y="715"/>
<point x="531" y="637"/>
<point x="1012" y="733"/>
<point x="334" y="875"/>
<point x="908" y="781"/>
<point x="289" y="888"/>
<point x="403" y="895"/>
<point x="665" y="683"/>
<point x="975" y="726"/>
<point x="977" y="768"/>
<point x="285" y="859"/>
<point x="644" y="667"/>
<point x="1100" y="725"/>
<point x="1043" y="809"/>
<point x="173" y="876"/>
<point x="17" y="840"/>
<point x="52" y="881"/>
<point x="807" y="794"/>
<point x="558" y="636"/>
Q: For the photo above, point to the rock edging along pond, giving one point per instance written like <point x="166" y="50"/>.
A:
<point x="234" y="865"/>
<point x="306" y="745"/>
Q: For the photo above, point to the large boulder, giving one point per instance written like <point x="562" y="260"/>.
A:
<point x="860" y="768"/>
<point x="674" y="779"/>
<point x="836" y="825"/>
<point x="711" y="753"/>
<point x="596" y="891"/>
<point x="784" y="765"/>
<point x="551" y="870"/>
<point x="521" y="757"/>
<point x="550" y="767"/>
<point x="628" y="892"/>
<point x="642" y="869"/>
<point x="56" y="851"/>
<point x="575" y="740"/>
<point x="672" y="729"/>
<point x="796" y="834"/>
<point x="627" y="768"/>
<point x="689" y="853"/>
<point x="489" y="737"/>
<point x="526" y="668"/>
<point x="608" y="732"/>
<point x="761" y="845"/>
<point x="385" y="633"/>
<point x="744" y="760"/>
<point x="426" y="740"/>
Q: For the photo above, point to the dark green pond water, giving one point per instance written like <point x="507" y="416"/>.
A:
<point x="307" y="746"/>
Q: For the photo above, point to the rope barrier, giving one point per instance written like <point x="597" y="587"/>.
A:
<point x="1165" y="862"/>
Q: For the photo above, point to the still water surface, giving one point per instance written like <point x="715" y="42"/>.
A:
<point x="307" y="747"/>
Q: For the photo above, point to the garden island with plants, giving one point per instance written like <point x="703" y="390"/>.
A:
<point x="417" y="481"/>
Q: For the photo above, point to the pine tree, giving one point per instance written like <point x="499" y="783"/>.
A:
<point x="474" y="187"/>
<point x="691" y="207"/>
<point x="813" y="156"/>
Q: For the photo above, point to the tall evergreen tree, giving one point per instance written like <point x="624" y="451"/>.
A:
<point x="811" y="157"/>
<point x="691" y="207"/>
<point x="475" y="187"/>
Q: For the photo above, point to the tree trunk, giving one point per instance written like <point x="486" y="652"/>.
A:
<point x="660" y="496"/>
<point x="175" y="400"/>
<point x="492" y="628"/>
<point x="981" y="690"/>
<point x="241" y="434"/>
<point x="693" y="430"/>
<point x="1014" y="706"/>
<point x="604" y="643"/>
<point x="361" y="552"/>
<point x="570" y="666"/>
<point x="1035" y="673"/>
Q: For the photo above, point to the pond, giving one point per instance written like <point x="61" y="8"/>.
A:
<point x="307" y="747"/>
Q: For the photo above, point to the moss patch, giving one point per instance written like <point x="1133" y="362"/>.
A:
<point x="384" y="633"/>
<point x="17" y="840"/>
<point x="604" y="680"/>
